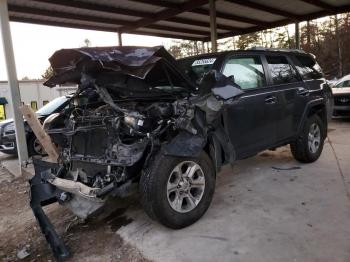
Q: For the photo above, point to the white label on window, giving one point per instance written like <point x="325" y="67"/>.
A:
<point x="205" y="61"/>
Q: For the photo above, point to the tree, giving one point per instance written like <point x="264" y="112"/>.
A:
<point x="87" y="42"/>
<point x="248" y="40"/>
<point x="48" y="73"/>
<point x="183" y="48"/>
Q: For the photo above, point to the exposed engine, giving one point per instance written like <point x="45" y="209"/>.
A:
<point x="105" y="143"/>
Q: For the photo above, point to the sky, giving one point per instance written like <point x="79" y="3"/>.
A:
<point x="34" y="44"/>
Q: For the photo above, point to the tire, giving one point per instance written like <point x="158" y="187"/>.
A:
<point x="307" y="149"/>
<point x="33" y="148"/>
<point x="165" y="173"/>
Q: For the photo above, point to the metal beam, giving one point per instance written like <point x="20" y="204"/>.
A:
<point x="265" y="8"/>
<point x="322" y="5"/>
<point x="232" y="17"/>
<point x="200" y="11"/>
<point x="160" y="3"/>
<point x="213" y="31"/>
<point x="169" y="13"/>
<point x="167" y="28"/>
<point x="15" y="101"/>
<point x="66" y="15"/>
<point x="283" y="22"/>
<point x="165" y="14"/>
<point x="96" y="27"/>
<point x="85" y="6"/>
<point x="168" y="35"/>
<point x="95" y="7"/>
<point x="101" y="20"/>
<point x="187" y="21"/>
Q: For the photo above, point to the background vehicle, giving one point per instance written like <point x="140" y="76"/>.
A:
<point x="341" y="93"/>
<point x="7" y="129"/>
<point x="166" y="127"/>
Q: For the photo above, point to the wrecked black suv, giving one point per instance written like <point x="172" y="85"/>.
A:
<point x="142" y="121"/>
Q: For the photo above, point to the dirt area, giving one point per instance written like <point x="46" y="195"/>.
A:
<point x="94" y="240"/>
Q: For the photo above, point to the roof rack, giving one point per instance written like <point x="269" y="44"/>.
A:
<point x="261" y="48"/>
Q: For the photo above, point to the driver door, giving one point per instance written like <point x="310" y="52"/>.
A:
<point x="250" y="120"/>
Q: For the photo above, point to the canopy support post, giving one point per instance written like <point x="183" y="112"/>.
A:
<point x="120" y="39"/>
<point x="297" y="36"/>
<point x="15" y="98"/>
<point x="213" y="27"/>
<point x="339" y="50"/>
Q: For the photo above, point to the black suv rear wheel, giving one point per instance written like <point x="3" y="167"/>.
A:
<point x="308" y="147"/>
<point x="177" y="191"/>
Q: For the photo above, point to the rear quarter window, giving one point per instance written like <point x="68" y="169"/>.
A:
<point x="307" y="67"/>
<point x="281" y="71"/>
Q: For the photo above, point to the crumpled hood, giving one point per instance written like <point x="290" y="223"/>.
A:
<point x="69" y="64"/>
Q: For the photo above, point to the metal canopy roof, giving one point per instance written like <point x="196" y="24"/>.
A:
<point x="183" y="19"/>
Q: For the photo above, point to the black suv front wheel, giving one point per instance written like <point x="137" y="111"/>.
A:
<point x="308" y="147"/>
<point x="177" y="191"/>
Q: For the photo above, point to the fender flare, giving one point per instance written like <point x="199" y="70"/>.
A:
<point x="186" y="144"/>
<point x="309" y="106"/>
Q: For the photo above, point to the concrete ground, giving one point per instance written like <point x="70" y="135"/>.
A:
<point x="266" y="208"/>
<point x="261" y="212"/>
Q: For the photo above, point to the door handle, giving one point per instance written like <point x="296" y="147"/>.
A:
<point x="303" y="91"/>
<point x="270" y="100"/>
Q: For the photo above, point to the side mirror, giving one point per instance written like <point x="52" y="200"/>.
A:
<point x="232" y="78"/>
<point x="221" y="86"/>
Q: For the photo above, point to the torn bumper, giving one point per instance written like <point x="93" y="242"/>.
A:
<point x="42" y="194"/>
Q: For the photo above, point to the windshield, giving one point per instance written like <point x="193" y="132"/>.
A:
<point x="195" y="68"/>
<point x="49" y="108"/>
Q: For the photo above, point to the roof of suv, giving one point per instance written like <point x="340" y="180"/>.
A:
<point x="252" y="50"/>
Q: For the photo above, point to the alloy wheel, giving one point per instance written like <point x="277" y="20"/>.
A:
<point x="185" y="186"/>
<point x="314" y="138"/>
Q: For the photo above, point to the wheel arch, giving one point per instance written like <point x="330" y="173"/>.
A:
<point x="215" y="145"/>
<point x="317" y="107"/>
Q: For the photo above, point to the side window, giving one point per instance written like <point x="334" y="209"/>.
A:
<point x="346" y="83"/>
<point x="308" y="67"/>
<point x="281" y="71"/>
<point x="248" y="72"/>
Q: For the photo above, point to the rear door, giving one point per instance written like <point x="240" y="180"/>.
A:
<point x="290" y="92"/>
<point x="250" y="120"/>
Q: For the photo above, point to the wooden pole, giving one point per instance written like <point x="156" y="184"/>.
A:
<point x="39" y="132"/>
